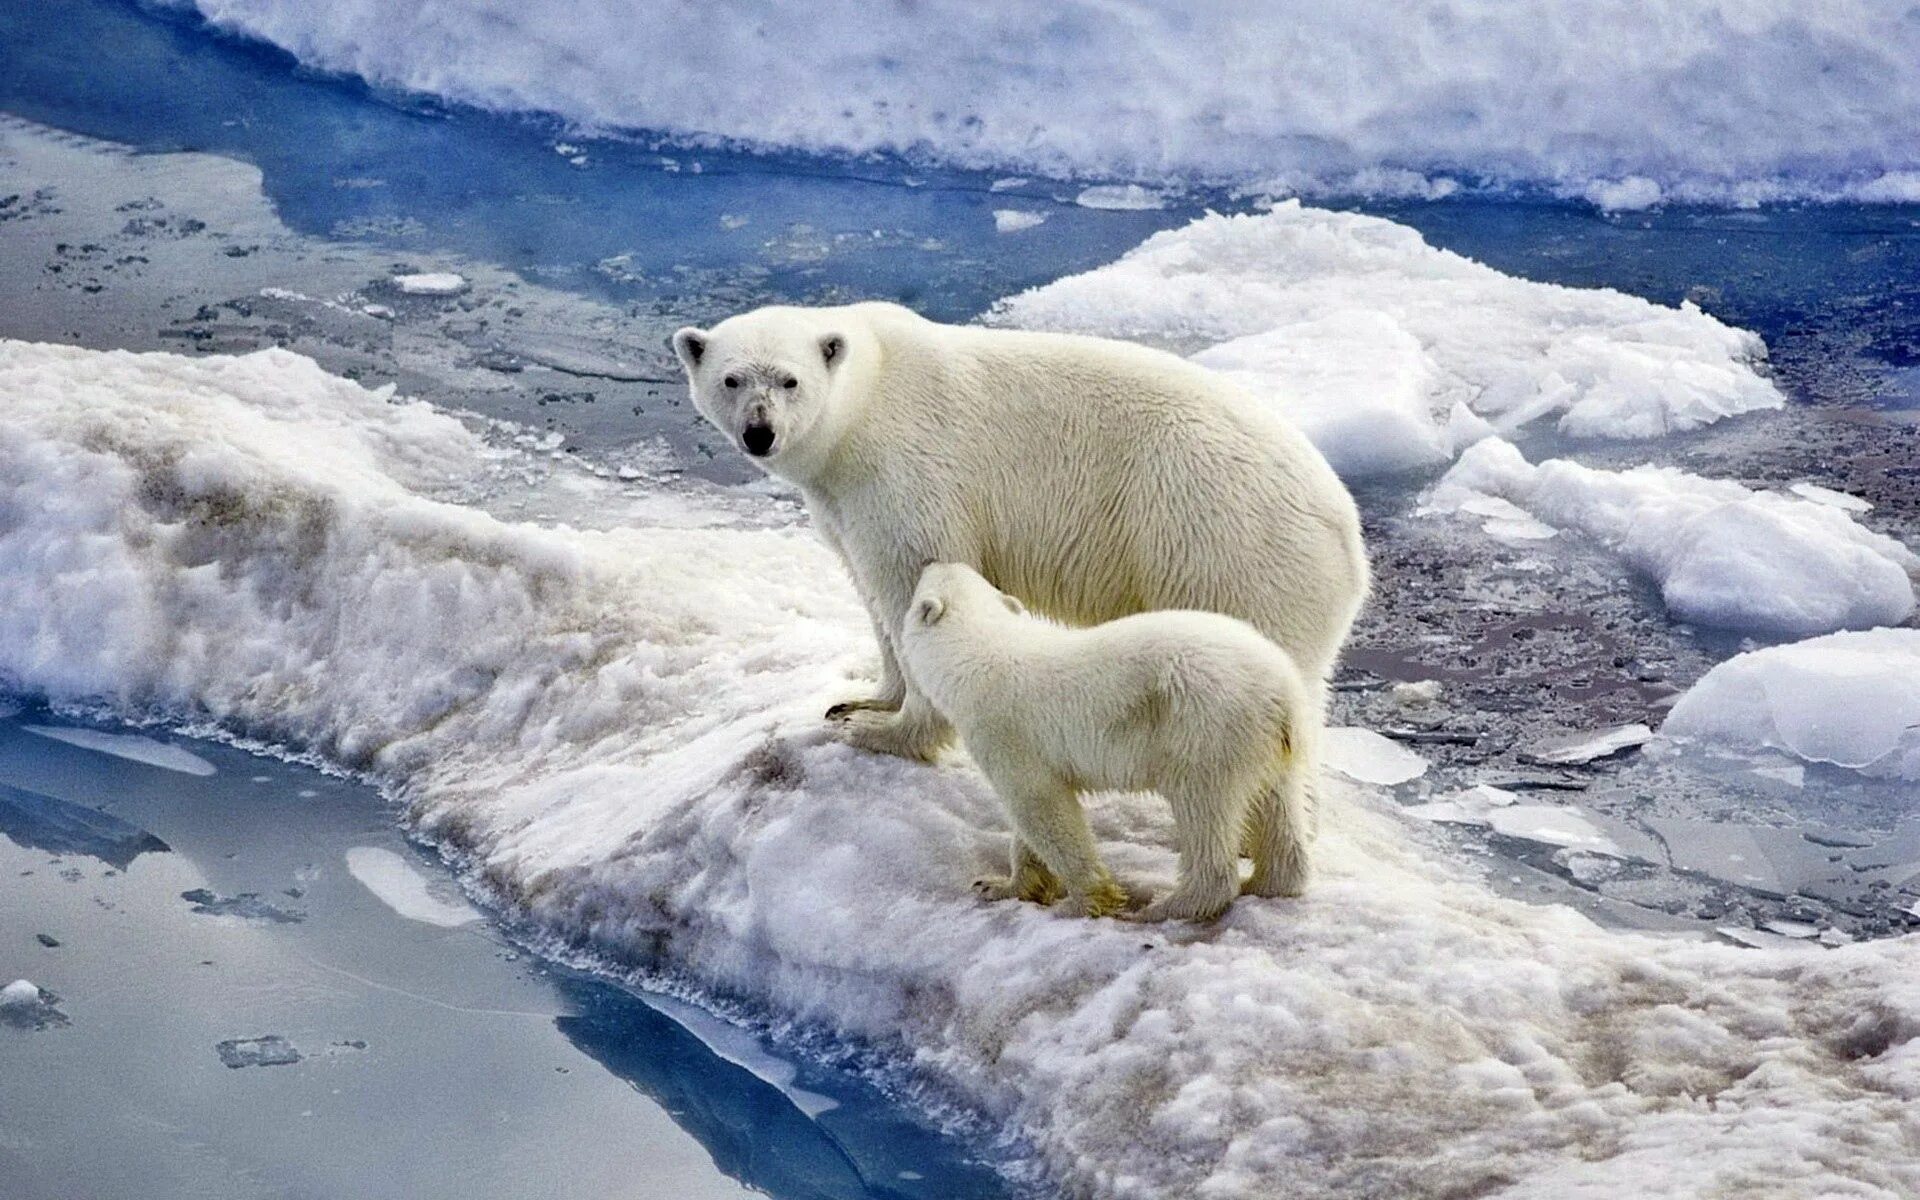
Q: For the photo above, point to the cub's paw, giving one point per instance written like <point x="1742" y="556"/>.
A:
<point x="886" y="733"/>
<point x="846" y="708"/>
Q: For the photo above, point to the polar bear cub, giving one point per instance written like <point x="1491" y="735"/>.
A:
<point x="1196" y="706"/>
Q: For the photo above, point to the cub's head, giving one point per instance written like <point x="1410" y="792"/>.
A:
<point x="952" y="596"/>
<point x="767" y="380"/>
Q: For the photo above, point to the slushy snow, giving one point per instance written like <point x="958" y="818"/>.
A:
<point x="1391" y="354"/>
<point x="1612" y="100"/>
<point x="620" y="732"/>
<point x="1720" y="553"/>
<point x="1851" y="699"/>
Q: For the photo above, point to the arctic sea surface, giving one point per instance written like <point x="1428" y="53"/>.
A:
<point x="338" y="419"/>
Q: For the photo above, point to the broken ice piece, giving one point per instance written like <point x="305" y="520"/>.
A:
<point x="1791" y="929"/>
<point x="269" y="1051"/>
<point x="1363" y="755"/>
<point x="24" y="1005"/>
<point x="1588" y="747"/>
<point x="431" y="283"/>
<point x="1831" y="498"/>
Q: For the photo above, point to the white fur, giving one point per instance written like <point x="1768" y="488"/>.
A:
<point x="1196" y="706"/>
<point x="1093" y="479"/>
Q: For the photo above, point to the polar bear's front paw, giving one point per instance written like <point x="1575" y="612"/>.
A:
<point x="889" y="733"/>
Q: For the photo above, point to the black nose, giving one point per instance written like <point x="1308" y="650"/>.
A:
<point x="757" y="437"/>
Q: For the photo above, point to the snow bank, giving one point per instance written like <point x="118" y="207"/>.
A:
<point x="1721" y="554"/>
<point x="1392" y="354"/>
<point x="1852" y="699"/>
<point x="618" y="732"/>
<point x="1693" y="100"/>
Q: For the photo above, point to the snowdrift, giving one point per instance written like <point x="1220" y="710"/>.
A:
<point x="617" y="733"/>
<point x="1392" y="354"/>
<point x="1615" y="101"/>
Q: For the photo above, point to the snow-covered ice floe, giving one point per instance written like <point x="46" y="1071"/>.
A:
<point x="1393" y="355"/>
<point x="1850" y="699"/>
<point x="133" y="747"/>
<point x="618" y="733"/>
<point x="1695" y="100"/>
<point x="1722" y="554"/>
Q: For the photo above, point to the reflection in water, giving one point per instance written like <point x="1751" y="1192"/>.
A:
<point x="753" y="1130"/>
<point x="40" y="822"/>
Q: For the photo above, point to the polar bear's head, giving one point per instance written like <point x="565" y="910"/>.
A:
<point x="768" y="380"/>
<point x="954" y="595"/>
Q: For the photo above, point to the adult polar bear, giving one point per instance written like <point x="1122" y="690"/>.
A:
<point x="1092" y="479"/>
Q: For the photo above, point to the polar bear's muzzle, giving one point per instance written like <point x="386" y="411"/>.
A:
<point x="757" y="435"/>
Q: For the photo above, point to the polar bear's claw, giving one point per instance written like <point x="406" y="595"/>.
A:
<point x="846" y="708"/>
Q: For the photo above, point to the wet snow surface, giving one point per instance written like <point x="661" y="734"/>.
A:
<point x="622" y="750"/>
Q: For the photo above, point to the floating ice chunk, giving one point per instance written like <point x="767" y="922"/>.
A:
<point x="1120" y="196"/>
<point x="1497" y="809"/>
<point x="133" y="747"/>
<point x="1364" y="755"/>
<point x="1007" y="184"/>
<point x="400" y="886"/>
<point x="24" y="1005"/>
<point x="1851" y="699"/>
<point x="1398" y="354"/>
<point x="1588" y="747"/>
<point x="1469" y="807"/>
<point x="431" y="283"/>
<point x="1013" y="220"/>
<point x="1840" y="500"/>
<point x="1722" y="555"/>
<point x="269" y="1051"/>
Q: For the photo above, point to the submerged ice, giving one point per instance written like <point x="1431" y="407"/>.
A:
<point x="619" y="731"/>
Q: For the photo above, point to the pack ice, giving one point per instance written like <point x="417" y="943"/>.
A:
<point x="619" y="731"/>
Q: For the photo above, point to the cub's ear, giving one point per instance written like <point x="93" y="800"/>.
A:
<point x="833" y="348"/>
<point x="1013" y="605"/>
<point x="691" y="345"/>
<point x="930" y="610"/>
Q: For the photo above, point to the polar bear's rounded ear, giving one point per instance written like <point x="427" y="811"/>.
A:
<point x="930" y="610"/>
<point x="1013" y="605"/>
<point x="691" y="345"/>
<point x="833" y="348"/>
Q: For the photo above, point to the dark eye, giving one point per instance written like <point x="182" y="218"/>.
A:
<point x="732" y="381"/>
<point x="789" y="383"/>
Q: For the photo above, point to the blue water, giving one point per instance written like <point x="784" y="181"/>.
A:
<point x="425" y="1061"/>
